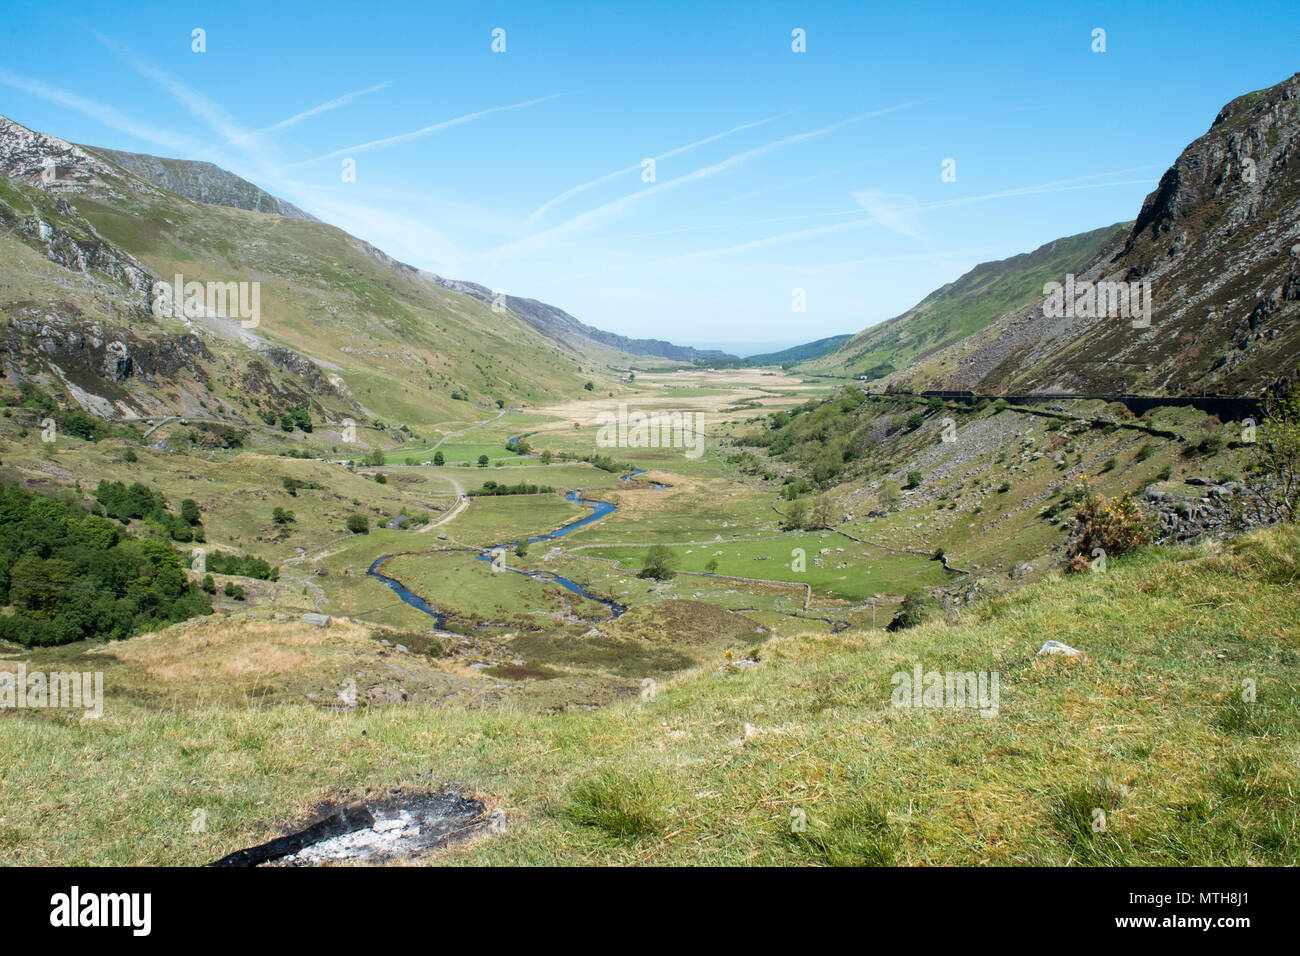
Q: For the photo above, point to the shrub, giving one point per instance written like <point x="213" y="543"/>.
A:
<point x="1115" y="525"/>
<point x="1277" y="457"/>
<point x="358" y="524"/>
<point x="911" y="612"/>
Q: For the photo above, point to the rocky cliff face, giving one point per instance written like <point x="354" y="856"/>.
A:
<point x="1218" y="241"/>
<point x="39" y="159"/>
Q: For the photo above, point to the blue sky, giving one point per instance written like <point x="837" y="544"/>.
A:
<point x="774" y="171"/>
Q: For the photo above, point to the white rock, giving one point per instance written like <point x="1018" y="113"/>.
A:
<point x="1056" y="647"/>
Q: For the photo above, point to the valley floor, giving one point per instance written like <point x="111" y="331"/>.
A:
<point x="743" y="711"/>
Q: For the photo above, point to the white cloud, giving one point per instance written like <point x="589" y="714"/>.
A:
<point x="894" y="211"/>
<point x="426" y="130"/>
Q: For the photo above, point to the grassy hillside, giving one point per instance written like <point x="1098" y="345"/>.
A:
<point x="1149" y="728"/>
<point x="800" y="353"/>
<point x="402" y="345"/>
<point x="963" y="307"/>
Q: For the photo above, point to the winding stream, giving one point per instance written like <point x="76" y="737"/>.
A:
<point x="599" y="510"/>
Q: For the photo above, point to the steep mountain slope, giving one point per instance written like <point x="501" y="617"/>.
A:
<point x="343" y="328"/>
<point x="1218" y="241"/>
<point x="962" y="307"/>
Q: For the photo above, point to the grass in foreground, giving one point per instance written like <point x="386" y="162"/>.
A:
<point x="1144" y="752"/>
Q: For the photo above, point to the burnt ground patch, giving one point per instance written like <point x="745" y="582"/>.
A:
<point x="397" y="826"/>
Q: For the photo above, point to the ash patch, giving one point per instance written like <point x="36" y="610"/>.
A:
<point x="383" y="830"/>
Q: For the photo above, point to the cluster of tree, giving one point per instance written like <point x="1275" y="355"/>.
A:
<point x="212" y="435"/>
<point x="76" y="423"/>
<point x="70" y="575"/>
<point x="821" y="437"/>
<point x="244" y="565"/>
<point x="523" y="488"/>
<point x="373" y="459"/>
<point x="812" y="516"/>
<point x="294" y="485"/>
<point x="297" y="417"/>
<point x="83" y="426"/>
<point x="32" y="396"/>
<point x="605" y="463"/>
<point x="139" y="502"/>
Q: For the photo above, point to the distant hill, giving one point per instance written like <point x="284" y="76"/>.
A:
<point x="962" y="307"/>
<point x="557" y="324"/>
<point x="800" y="353"/>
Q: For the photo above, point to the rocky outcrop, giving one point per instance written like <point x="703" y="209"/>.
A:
<point x="63" y="236"/>
<point x="314" y="380"/>
<point x="47" y="161"/>
<point x="88" y="352"/>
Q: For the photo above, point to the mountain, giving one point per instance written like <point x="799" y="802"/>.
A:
<point x="206" y="183"/>
<point x="343" y="330"/>
<point x="954" y="311"/>
<point x="800" y="353"/>
<point x="1217" y="244"/>
<point x="558" y="325"/>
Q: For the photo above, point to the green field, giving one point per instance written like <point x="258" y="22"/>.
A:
<point x="849" y="571"/>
